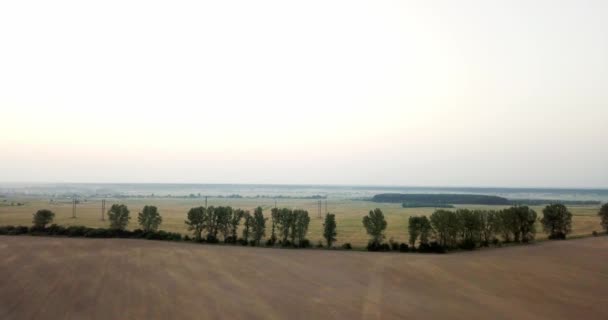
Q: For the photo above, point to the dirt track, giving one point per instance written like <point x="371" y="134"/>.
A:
<point x="60" y="278"/>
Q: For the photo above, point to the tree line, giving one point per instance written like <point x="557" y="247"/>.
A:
<point x="469" y="229"/>
<point x="441" y="231"/>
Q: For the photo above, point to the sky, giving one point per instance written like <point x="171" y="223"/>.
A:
<point x="417" y="93"/>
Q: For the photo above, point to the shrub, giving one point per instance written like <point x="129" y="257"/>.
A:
<point x="304" y="243"/>
<point x="347" y="246"/>
<point x="269" y="243"/>
<point x="56" y="230"/>
<point x="187" y="238"/>
<point x="319" y="244"/>
<point x="76" y="231"/>
<point x="467" y="244"/>
<point x="242" y="241"/>
<point x="394" y="245"/>
<point x="212" y="239"/>
<point x="230" y="239"/>
<point x="99" y="233"/>
<point x="403" y="247"/>
<point x="252" y="243"/>
<point x="595" y="233"/>
<point x="557" y="236"/>
<point x="376" y="246"/>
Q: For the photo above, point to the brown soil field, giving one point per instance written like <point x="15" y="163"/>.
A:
<point x="61" y="278"/>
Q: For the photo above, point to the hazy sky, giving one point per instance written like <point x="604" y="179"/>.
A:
<point x="441" y="93"/>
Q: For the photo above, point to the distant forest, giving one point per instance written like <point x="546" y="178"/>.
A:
<point x="448" y="200"/>
<point x="440" y="199"/>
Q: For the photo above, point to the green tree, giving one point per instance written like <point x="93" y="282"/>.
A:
<point x="507" y="225"/>
<point x="43" y="217"/>
<point x="274" y="214"/>
<point x="119" y="216"/>
<point x="603" y="213"/>
<point x="489" y="225"/>
<point x="419" y="227"/>
<point x="302" y="220"/>
<point x="259" y="225"/>
<point x="149" y="218"/>
<point x="557" y="221"/>
<point x="235" y="221"/>
<point x="470" y="223"/>
<point x="375" y="224"/>
<point x="425" y="229"/>
<point x="329" y="229"/>
<point x="446" y="226"/>
<point x="248" y="224"/>
<point x="196" y="221"/>
<point x="524" y="220"/>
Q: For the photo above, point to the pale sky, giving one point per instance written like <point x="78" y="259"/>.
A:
<point x="420" y="93"/>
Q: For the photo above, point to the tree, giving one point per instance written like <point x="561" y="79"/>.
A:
<point x="446" y="227"/>
<point x="524" y="218"/>
<point x="259" y="225"/>
<point x="489" y="225"/>
<point x="413" y="229"/>
<point x="119" y="216"/>
<point x="149" y="218"/>
<point x="285" y="220"/>
<point x="375" y="224"/>
<point x="43" y="217"/>
<point x="507" y="225"/>
<point x="557" y="221"/>
<point x="235" y="220"/>
<point x="603" y="213"/>
<point x="196" y="221"/>
<point x="424" y="226"/>
<point x="470" y="228"/>
<point x="300" y="225"/>
<point x="329" y="229"/>
<point x="419" y="227"/>
<point x="247" y="226"/>
<point x="223" y="216"/>
<point x="274" y="214"/>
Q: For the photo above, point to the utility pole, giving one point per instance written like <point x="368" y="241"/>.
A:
<point x="326" y="206"/>
<point x="103" y="209"/>
<point x="205" y="201"/>
<point x="74" y="207"/>
<point x="319" y="209"/>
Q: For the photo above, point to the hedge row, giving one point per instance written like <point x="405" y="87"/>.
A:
<point x="82" y="231"/>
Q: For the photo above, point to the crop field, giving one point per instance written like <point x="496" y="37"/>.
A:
<point x="64" y="278"/>
<point x="348" y="214"/>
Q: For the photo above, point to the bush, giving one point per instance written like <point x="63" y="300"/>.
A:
<point x="56" y="230"/>
<point x="187" y="238"/>
<point x="5" y="230"/>
<point x="467" y="244"/>
<point x="305" y="243"/>
<point x="285" y="243"/>
<point x="212" y="239"/>
<point x="403" y="247"/>
<point x="394" y="245"/>
<point x="99" y="233"/>
<point x="242" y="241"/>
<point x="376" y="246"/>
<point x="252" y="243"/>
<point x="76" y="231"/>
<point x="595" y="233"/>
<point x="495" y="242"/>
<point x="433" y="247"/>
<point x="269" y="243"/>
<point x="319" y="244"/>
<point x="557" y="236"/>
<point x="347" y="246"/>
<point x="230" y="239"/>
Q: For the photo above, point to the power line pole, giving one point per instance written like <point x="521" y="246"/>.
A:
<point x="205" y="201"/>
<point x="74" y="207"/>
<point x="319" y="209"/>
<point x="103" y="209"/>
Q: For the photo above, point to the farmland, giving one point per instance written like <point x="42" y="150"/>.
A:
<point x="134" y="279"/>
<point x="349" y="213"/>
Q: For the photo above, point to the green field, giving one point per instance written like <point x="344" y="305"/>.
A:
<point x="348" y="214"/>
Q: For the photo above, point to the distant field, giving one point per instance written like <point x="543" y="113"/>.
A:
<point x="348" y="214"/>
<point x="63" y="278"/>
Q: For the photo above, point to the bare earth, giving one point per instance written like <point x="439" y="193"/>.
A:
<point x="60" y="278"/>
